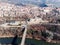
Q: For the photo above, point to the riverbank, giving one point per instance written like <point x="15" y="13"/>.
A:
<point x="34" y="32"/>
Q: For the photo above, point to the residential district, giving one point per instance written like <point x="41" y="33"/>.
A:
<point x="43" y="22"/>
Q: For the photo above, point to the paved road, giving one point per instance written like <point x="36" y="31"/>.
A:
<point x="51" y="24"/>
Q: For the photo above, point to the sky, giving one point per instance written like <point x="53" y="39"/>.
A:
<point x="54" y="2"/>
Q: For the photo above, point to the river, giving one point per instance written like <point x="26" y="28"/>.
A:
<point x="28" y="41"/>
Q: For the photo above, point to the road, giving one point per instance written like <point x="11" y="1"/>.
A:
<point x="51" y="24"/>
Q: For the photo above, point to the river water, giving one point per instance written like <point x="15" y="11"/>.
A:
<point x="28" y="41"/>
